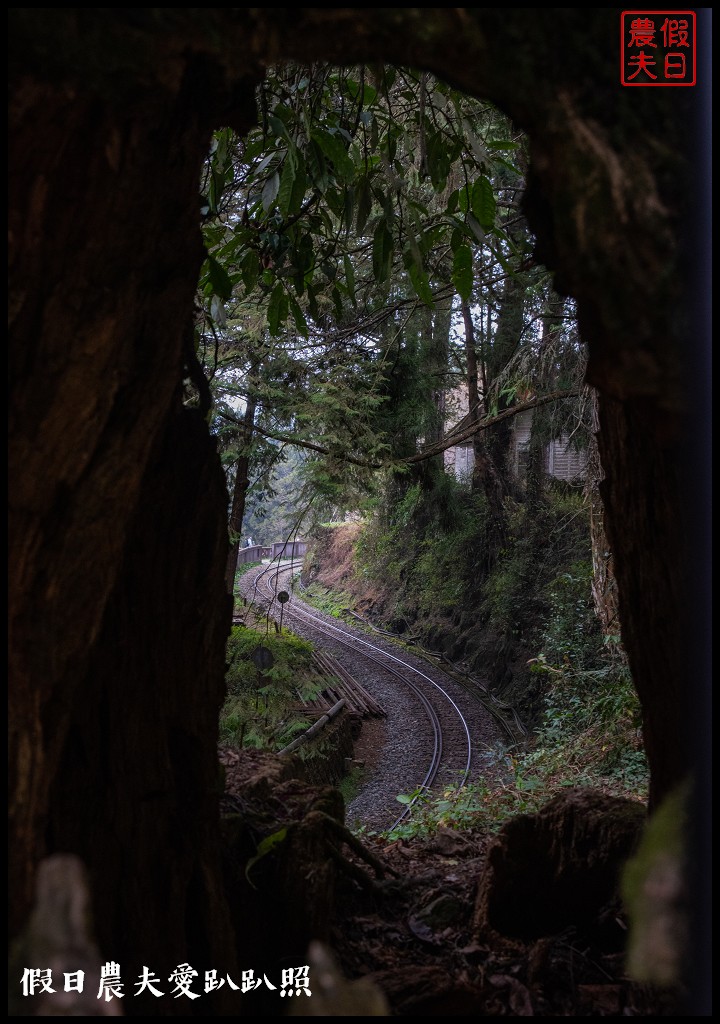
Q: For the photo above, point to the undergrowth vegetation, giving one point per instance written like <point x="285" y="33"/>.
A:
<point x="590" y="736"/>
<point x="267" y="676"/>
<point x="522" y="617"/>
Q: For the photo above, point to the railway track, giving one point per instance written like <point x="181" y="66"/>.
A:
<point x="448" y="728"/>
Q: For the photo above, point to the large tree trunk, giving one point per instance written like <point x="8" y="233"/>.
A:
<point x="136" y="789"/>
<point x="505" y="343"/>
<point x="239" y="494"/>
<point x="604" y="584"/>
<point x="485" y="475"/>
<point x="118" y="612"/>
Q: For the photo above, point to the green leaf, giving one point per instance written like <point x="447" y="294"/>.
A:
<point x="505" y="237"/>
<point x="472" y="223"/>
<point x="421" y="284"/>
<point x="334" y="148"/>
<point x="278" y="127"/>
<point x="414" y="248"/>
<point x="305" y="253"/>
<point x="277" y="309"/>
<point x="462" y="274"/>
<point x="317" y="166"/>
<point x="385" y="200"/>
<point x="250" y="268"/>
<point x="503" y="144"/>
<point x="503" y="262"/>
<point x="374" y="135"/>
<point x="350" y="278"/>
<point x="213" y="235"/>
<point x="218" y="278"/>
<point x="483" y="203"/>
<point x="217" y="311"/>
<point x="369" y="95"/>
<point x="435" y="236"/>
<point x="347" y="215"/>
<point x="286" y="114"/>
<point x="270" y="190"/>
<point x="255" y="144"/>
<point x="389" y="76"/>
<point x="478" y="150"/>
<point x="298" y="317"/>
<point x="382" y="252"/>
<point x="417" y="239"/>
<point x="292" y="188"/>
<point x="501" y="162"/>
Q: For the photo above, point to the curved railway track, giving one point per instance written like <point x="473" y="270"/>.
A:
<point x="449" y="732"/>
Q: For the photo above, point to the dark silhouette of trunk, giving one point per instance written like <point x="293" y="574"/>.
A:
<point x="434" y="342"/>
<point x="604" y="584"/>
<point x="439" y="321"/>
<point x="507" y="338"/>
<point x="240" y="486"/>
<point x="535" y="469"/>
<point x="136" y="795"/>
<point x="485" y="475"/>
<point x="118" y="523"/>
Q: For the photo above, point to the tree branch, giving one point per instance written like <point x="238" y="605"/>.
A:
<point x="448" y="441"/>
<point x="453" y="438"/>
<point x="302" y="443"/>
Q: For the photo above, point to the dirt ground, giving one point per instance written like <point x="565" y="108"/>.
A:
<point x="406" y="916"/>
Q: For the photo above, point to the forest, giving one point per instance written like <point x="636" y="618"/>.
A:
<point x="333" y="396"/>
<point x="346" y="278"/>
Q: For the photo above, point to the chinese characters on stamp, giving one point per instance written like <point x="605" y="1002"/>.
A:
<point x="657" y="48"/>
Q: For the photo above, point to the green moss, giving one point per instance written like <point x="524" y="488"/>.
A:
<point x="652" y="888"/>
<point x="260" y="707"/>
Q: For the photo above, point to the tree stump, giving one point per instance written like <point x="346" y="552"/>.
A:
<point x="557" y="868"/>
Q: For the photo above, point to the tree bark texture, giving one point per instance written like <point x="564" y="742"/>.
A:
<point x="136" y="789"/>
<point x="111" y="113"/>
<point x="505" y="343"/>
<point x="105" y="254"/>
<point x="239" y="494"/>
<point x="485" y="476"/>
<point x="604" y="584"/>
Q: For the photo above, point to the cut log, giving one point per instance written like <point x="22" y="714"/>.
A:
<point x="558" y="867"/>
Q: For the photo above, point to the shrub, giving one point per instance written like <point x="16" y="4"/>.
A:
<point x="259" y="709"/>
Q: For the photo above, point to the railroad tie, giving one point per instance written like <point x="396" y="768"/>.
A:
<point x="357" y="688"/>
<point x="357" y="697"/>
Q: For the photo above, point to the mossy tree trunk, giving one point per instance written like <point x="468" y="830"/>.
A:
<point x="118" y="530"/>
<point x="505" y="344"/>
<point x="239" y="494"/>
<point x="485" y="475"/>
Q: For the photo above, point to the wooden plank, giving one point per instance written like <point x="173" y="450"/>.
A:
<point x="356" y="694"/>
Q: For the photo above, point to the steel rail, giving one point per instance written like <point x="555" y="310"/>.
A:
<point x="355" y="643"/>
